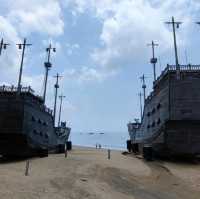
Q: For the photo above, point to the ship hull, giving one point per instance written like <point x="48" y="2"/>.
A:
<point x="170" y="124"/>
<point x="176" y="138"/>
<point x="183" y="138"/>
<point x="14" y="144"/>
<point x="27" y="128"/>
<point x="62" y="139"/>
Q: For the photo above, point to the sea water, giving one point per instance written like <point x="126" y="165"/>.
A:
<point x="107" y="140"/>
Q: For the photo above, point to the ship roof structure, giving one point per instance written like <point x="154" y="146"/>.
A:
<point x="27" y="93"/>
<point x="171" y="69"/>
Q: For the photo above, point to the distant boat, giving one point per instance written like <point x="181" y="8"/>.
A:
<point x="101" y="133"/>
<point x="91" y="133"/>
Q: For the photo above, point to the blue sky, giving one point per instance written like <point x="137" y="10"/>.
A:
<point x="101" y="52"/>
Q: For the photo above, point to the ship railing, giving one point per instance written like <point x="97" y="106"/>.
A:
<point x="150" y="96"/>
<point x="48" y="110"/>
<point x="45" y="109"/>
<point x="5" y="88"/>
<point x="163" y="73"/>
<point x="13" y="89"/>
<point x="188" y="68"/>
<point x="28" y="89"/>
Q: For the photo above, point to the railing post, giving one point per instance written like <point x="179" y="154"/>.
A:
<point x="65" y="150"/>
<point x="109" y="154"/>
<point x="27" y="168"/>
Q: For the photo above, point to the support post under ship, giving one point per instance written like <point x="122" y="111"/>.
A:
<point x="26" y="124"/>
<point x="170" y="121"/>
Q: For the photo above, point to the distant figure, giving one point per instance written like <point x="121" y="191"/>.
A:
<point x="99" y="146"/>
<point x="96" y="145"/>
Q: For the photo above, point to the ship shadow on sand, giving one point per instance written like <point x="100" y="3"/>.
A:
<point x="14" y="159"/>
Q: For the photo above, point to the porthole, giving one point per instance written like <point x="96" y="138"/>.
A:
<point x="33" y="119"/>
<point x="153" y="111"/>
<point x="158" y="106"/>
<point x="158" y="122"/>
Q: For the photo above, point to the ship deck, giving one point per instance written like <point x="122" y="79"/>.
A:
<point x="27" y="94"/>
<point x="173" y="68"/>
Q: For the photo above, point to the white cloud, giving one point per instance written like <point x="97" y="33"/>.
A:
<point x="71" y="48"/>
<point x="128" y="25"/>
<point x="36" y="82"/>
<point x="21" y="18"/>
<point x="44" y="16"/>
<point x="85" y="74"/>
<point x="9" y="60"/>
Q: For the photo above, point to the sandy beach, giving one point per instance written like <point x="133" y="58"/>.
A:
<point x="87" y="173"/>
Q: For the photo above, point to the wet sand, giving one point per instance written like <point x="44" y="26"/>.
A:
<point x="87" y="173"/>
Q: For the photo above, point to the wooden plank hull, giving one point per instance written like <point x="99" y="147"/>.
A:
<point x="171" y="119"/>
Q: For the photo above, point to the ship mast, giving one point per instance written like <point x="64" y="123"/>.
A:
<point x="140" y="96"/>
<point x="61" y="100"/>
<point x="143" y="86"/>
<point x="174" y="26"/>
<point x="47" y="65"/>
<point x="153" y="59"/>
<point x="3" y="46"/>
<point x="23" y="47"/>
<point x="56" y="94"/>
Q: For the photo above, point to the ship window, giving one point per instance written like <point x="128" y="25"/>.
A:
<point x="148" y="126"/>
<point x="39" y="121"/>
<point x="154" y="110"/>
<point x="158" y="122"/>
<point x="158" y="106"/>
<point x="33" y="119"/>
<point x="148" y="114"/>
<point x="153" y="124"/>
<point x="44" y="123"/>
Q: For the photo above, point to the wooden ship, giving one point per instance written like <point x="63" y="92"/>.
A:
<point x="27" y="126"/>
<point x="170" y="119"/>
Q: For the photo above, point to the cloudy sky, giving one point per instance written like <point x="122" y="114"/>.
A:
<point x="101" y="51"/>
